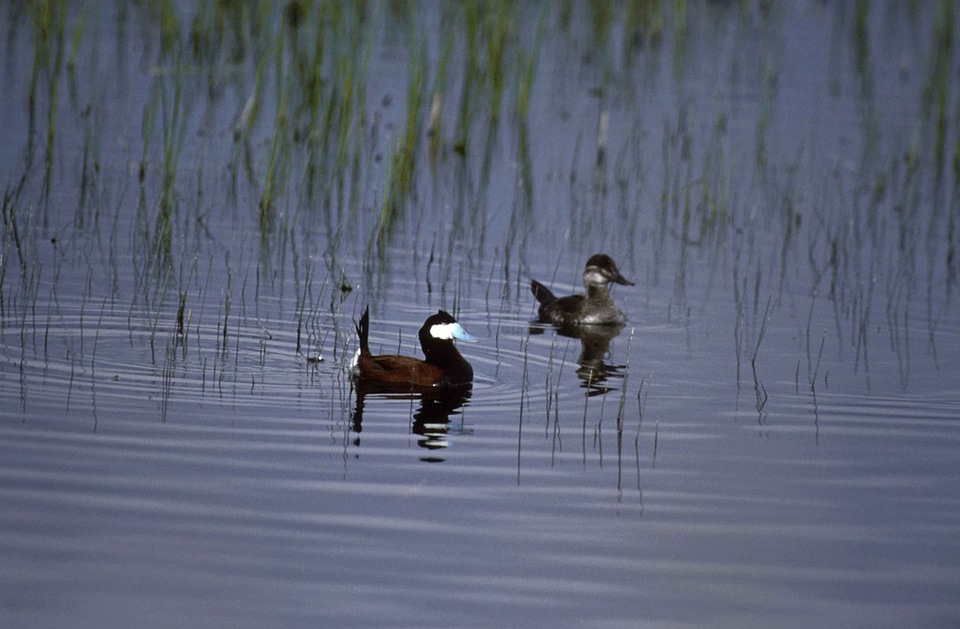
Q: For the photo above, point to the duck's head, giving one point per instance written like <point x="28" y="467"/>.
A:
<point x="440" y="329"/>
<point x="601" y="270"/>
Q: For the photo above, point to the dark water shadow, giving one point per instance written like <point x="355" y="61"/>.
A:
<point x="593" y="370"/>
<point x="430" y="422"/>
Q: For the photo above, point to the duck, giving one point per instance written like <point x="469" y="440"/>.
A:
<point x="594" y="308"/>
<point x="443" y="366"/>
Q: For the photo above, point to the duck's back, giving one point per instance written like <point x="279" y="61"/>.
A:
<point x="562" y="311"/>
<point x="402" y="371"/>
<point x="574" y="310"/>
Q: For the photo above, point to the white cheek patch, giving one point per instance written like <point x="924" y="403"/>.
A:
<point x="450" y="331"/>
<point x="443" y="331"/>
<point x="594" y="276"/>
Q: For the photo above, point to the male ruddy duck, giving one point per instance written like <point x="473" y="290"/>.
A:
<point x="443" y="366"/>
<point x="594" y="308"/>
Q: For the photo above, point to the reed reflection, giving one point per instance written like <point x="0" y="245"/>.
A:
<point x="431" y="421"/>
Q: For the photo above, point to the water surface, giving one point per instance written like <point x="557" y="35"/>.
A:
<point x="200" y="201"/>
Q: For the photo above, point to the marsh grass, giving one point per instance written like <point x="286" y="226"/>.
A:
<point x="399" y="186"/>
<point x="523" y="396"/>
<point x="49" y="31"/>
<point x="276" y="169"/>
<point x="174" y="119"/>
<point x="694" y="201"/>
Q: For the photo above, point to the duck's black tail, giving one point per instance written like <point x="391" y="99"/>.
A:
<point x="363" y="329"/>
<point x="541" y="292"/>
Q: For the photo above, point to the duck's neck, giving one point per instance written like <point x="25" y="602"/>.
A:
<point x="598" y="292"/>
<point x="456" y="367"/>
<point x="445" y="353"/>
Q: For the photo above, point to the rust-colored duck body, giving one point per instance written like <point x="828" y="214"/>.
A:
<point x="442" y="367"/>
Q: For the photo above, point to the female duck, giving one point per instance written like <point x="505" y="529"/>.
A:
<point x="442" y="367"/>
<point x="594" y="308"/>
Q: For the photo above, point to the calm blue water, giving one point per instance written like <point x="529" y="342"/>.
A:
<point x="773" y="443"/>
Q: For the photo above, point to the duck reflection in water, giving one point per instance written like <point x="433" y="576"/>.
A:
<point x="592" y="368"/>
<point x="431" y="421"/>
<point x="442" y="381"/>
<point x="592" y="317"/>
